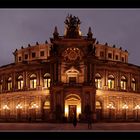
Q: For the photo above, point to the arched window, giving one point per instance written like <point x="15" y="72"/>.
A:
<point x="72" y="75"/>
<point x="20" y="82"/>
<point x="47" y="80"/>
<point x="9" y="83"/>
<point x="98" y="82"/>
<point x="98" y="105"/>
<point x="111" y="81"/>
<point x="1" y="81"/>
<point x="133" y="84"/>
<point x="47" y="104"/>
<point x="123" y="83"/>
<point x="111" y="105"/>
<point x="33" y="81"/>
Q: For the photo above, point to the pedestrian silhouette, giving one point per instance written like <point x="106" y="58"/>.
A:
<point x="89" y="119"/>
<point x="74" y="121"/>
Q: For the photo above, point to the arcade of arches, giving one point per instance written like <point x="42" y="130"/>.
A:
<point x="73" y="75"/>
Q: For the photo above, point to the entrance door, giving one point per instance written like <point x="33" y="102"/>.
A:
<point x="72" y="80"/>
<point x="98" y="114"/>
<point x="72" y="112"/>
<point x="98" y="111"/>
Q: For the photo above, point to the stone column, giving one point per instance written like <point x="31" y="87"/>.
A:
<point x="26" y="80"/>
<point x="88" y="72"/>
<point x="105" y="79"/>
<point x="41" y="78"/>
<point x="93" y="103"/>
<point x="14" y="84"/>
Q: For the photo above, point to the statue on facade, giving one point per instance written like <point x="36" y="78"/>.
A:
<point x="72" y="21"/>
<point x="72" y="26"/>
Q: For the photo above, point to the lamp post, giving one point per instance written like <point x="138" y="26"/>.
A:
<point x="125" y="107"/>
<point x="137" y="107"/>
<point x="34" y="107"/>
<point x="110" y="107"/>
<point x="6" y="109"/>
<point x="19" y="108"/>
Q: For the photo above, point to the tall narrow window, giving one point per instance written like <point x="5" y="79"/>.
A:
<point x="1" y="81"/>
<point x="109" y="55"/>
<point x="9" y="83"/>
<point x="111" y="81"/>
<point x="19" y="58"/>
<point x="101" y="54"/>
<point x="20" y="82"/>
<point x="117" y="57"/>
<point x="133" y="84"/>
<point x="42" y="53"/>
<point x="123" y="83"/>
<point x="33" y="54"/>
<point x="47" y="80"/>
<point x="33" y="81"/>
<point x="122" y="59"/>
<point x="98" y="82"/>
<point x="26" y="56"/>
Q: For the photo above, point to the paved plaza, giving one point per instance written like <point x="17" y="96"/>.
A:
<point x="68" y="127"/>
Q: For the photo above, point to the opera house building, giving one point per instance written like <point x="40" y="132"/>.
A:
<point x="72" y="75"/>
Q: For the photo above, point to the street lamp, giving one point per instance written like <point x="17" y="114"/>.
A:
<point x="6" y="109"/>
<point x="125" y="107"/>
<point x="18" y="107"/>
<point x="137" y="107"/>
<point x="34" y="107"/>
<point x="110" y="107"/>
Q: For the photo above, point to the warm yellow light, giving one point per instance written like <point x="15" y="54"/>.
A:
<point x="47" y="91"/>
<point x="78" y="110"/>
<point x="109" y="80"/>
<point x="74" y="102"/>
<point x="66" y="110"/>
<point x="110" y="106"/>
<point x="6" y="107"/>
<point x="34" y="106"/>
<point x="19" y="106"/>
<point x="125" y="106"/>
<point x="47" y="105"/>
<point x="80" y="33"/>
<point x="137" y="107"/>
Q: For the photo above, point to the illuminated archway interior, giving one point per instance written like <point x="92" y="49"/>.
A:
<point x="72" y="100"/>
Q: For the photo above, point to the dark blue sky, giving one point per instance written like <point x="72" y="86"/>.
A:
<point x="19" y="27"/>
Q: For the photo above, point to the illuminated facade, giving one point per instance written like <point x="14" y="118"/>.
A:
<point x="71" y="75"/>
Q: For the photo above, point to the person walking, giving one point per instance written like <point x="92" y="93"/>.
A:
<point x="74" y="121"/>
<point x="89" y="119"/>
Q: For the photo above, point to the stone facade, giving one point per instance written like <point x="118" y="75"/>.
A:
<point x="73" y="75"/>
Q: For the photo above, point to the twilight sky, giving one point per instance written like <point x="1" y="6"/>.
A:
<point x="20" y="27"/>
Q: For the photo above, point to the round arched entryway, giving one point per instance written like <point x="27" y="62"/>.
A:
<point x="72" y="106"/>
<point x="98" y="110"/>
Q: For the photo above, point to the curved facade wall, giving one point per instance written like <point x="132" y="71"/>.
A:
<point x="71" y="76"/>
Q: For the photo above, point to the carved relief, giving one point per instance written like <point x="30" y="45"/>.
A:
<point x="72" y="54"/>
